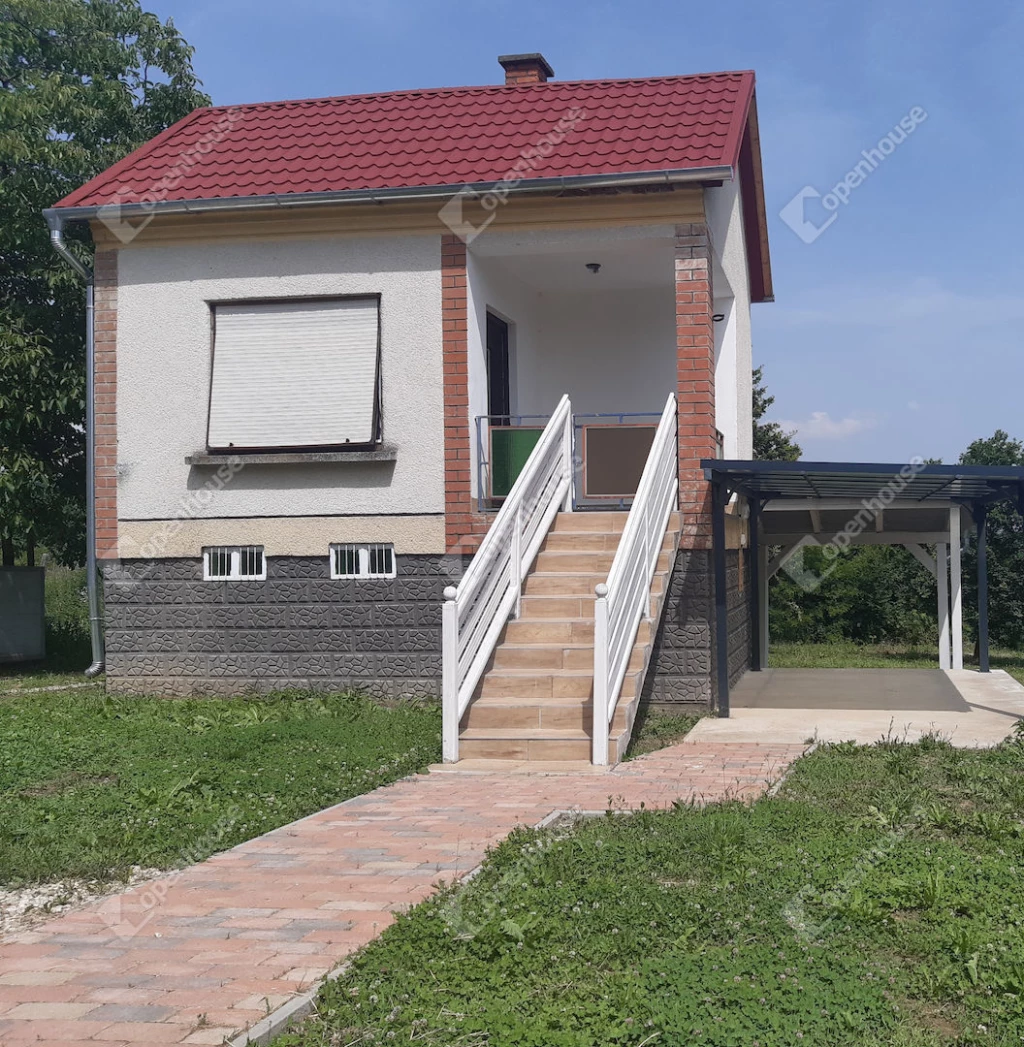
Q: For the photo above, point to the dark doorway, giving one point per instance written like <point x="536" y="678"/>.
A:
<point x="499" y="389"/>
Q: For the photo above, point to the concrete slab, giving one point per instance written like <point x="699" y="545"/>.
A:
<point x="788" y="706"/>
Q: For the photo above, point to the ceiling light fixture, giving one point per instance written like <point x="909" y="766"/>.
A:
<point x="594" y="267"/>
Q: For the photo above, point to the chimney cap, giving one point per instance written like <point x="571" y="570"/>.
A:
<point x="534" y="60"/>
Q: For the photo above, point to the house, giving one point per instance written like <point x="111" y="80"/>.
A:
<point x="338" y="341"/>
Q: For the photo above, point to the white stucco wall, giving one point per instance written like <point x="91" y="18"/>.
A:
<point x="734" y="361"/>
<point x="612" y="351"/>
<point x="490" y="288"/>
<point x="164" y="358"/>
<point x="607" y="339"/>
<point x="727" y="385"/>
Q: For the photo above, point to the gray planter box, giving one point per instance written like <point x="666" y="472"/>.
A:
<point x="22" y="614"/>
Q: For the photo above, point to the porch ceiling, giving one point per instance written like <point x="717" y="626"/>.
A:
<point x="624" y="266"/>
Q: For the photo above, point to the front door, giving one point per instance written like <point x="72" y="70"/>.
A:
<point x="499" y="385"/>
<point x="510" y="445"/>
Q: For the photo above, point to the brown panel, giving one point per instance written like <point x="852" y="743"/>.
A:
<point x="614" y="457"/>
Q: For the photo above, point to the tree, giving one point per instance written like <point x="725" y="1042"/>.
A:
<point x="868" y="594"/>
<point x="771" y="442"/>
<point x="1005" y="532"/>
<point x="82" y="84"/>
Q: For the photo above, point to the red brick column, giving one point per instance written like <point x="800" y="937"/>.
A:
<point x="695" y="349"/>
<point x="105" y="321"/>
<point x="463" y="527"/>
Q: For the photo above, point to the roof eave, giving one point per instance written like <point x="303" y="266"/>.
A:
<point x="57" y="216"/>
<point x="755" y="216"/>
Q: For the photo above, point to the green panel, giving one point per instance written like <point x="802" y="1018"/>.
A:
<point x="510" y="447"/>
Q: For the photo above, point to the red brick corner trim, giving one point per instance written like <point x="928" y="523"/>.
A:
<point x="463" y="527"/>
<point x="105" y="334"/>
<point x="695" y="388"/>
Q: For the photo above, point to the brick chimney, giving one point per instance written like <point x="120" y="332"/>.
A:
<point x="525" y="69"/>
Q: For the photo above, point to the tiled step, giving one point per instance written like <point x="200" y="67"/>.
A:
<point x="553" y="630"/>
<point x="588" y="541"/>
<point x="549" y="657"/>
<point x="539" y="607"/>
<point x="558" y="715"/>
<point x="561" y="561"/>
<point x="581" y="523"/>
<point x="572" y="584"/>
<point x="524" y="744"/>
<point x="571" y="574"/>
<point x="569" y="632"/>
<point x="582" y="542"/>
<point x="528" y="684"/>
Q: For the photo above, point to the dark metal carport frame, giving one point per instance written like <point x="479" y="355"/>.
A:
<point x="974" y="486"/>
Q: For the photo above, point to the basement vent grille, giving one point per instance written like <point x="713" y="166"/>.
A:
<point x="234" y="563"/>
<point x="375" y="560"/>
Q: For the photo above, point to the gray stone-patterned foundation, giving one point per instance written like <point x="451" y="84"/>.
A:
<point x="169" y="632"/>
<point x="681" y="678"/>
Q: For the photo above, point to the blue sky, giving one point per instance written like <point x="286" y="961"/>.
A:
<point x="896" y="332"/>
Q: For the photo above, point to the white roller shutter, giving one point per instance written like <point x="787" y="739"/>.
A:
<point x="294" y="374"/>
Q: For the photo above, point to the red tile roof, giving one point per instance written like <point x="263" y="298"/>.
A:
<point x="446" y="136"/>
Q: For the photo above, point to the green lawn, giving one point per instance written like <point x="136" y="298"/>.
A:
<point x="846" y="655"/>
<point x="875" y="900"/>
<point x="91" y="785"/>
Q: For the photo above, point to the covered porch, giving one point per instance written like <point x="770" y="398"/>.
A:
<point x="588" y="313"/>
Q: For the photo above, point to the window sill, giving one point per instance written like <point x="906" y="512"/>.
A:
<point x="383" y="453"/>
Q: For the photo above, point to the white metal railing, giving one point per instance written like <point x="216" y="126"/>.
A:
<point x="475" y="611"/>
<point x="624" y="599"/>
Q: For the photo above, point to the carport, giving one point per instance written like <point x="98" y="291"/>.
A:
<point x="834" y="505"/>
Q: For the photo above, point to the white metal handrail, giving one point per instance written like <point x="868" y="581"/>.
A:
<point x="475" y="611"/>
<point x="624" y="598"/>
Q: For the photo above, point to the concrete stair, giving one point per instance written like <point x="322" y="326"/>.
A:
<point x="535" y="702"/>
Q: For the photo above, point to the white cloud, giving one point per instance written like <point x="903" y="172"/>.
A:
<point x="821" y="426"/>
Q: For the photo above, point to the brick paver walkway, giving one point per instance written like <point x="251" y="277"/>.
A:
<point x="246" y="930"/>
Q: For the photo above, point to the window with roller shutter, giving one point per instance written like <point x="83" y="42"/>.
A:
<point x="293" y="374"/>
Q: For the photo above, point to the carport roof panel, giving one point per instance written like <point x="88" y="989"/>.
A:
<point x="861" y="480"/>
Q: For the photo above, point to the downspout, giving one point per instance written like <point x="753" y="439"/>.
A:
<point x="92" y="587"/>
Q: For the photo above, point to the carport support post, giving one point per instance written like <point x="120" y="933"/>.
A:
<point x="719" y="496"/>
<point x="981" y="518"/>
<point x="956" y="588"/>
<point x="764" y="609"/>
<point x="754" y="542"/>
<point x="942" y="582"/>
